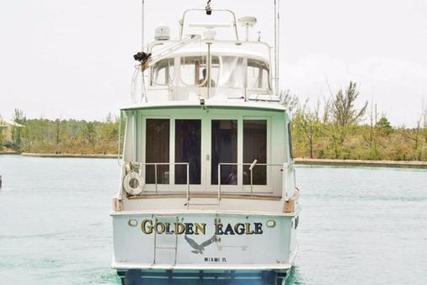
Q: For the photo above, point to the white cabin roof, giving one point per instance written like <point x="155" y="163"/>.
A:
<point x="208" y="103"/>
<point x="221" y="48"/>
<point x="193" y="51"/>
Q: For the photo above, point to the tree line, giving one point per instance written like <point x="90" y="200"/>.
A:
<point x="63" y="136"/>
<point x="341" y="127"/>
<point x="344" y="128"/>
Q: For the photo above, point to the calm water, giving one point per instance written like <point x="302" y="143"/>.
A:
<point x="358" y="226"/>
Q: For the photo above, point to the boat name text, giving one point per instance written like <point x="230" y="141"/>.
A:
<point x="150" y="227"/>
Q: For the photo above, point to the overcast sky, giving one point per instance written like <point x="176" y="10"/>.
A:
<point x="73" y="59"/>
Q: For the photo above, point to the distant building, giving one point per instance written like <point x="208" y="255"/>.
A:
<point x="6" y="129"/>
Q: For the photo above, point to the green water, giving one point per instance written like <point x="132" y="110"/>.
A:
<point x="358" y="225"/>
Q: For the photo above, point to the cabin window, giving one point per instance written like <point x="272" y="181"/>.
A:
<point x="224" y="150"/>
<point x="232" y="73"/>
<point x="215" y="71"/>
<point x="157" y="151"/>
<point x="194" y="71"/>
<point x="163" y="72"/>
<point x="257" y="75"/>
<point x="225" y="72"/>
<point x="255" y="148"/>
<point x="188" y="149"/>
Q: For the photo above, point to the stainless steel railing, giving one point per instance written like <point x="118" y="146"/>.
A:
<point x="285" y="169"/>
<point x="157" y="164"/>
<point x="251" y="170"/>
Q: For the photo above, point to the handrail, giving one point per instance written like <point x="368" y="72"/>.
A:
<point x="253" y="164"/>
<point x="167" y="50"/>
<point x="156" y="164"/>
<point x="182" y="21"/>
<point x="284" y="168"/>
<point x="251" y="167"/>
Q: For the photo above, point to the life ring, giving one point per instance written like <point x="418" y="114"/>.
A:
<point x="133" y="183"/>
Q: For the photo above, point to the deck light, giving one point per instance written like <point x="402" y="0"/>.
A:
<point x="208" y="8"/>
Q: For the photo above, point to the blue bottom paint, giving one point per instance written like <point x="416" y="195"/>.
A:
<point x="138" y="277"/>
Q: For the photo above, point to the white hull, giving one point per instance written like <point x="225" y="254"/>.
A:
<point x="210" y="243"/>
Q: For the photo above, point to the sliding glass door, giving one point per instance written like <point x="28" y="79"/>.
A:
<point x="255" y="152"/>
<point x="188" y="142"/>
<point x="215" y="149"/>
<point x="234" y="142"/>
<point x="157" y="151"/>
<point x="224" y="151"/>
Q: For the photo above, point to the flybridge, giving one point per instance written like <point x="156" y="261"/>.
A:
<point x="199" y="64"/>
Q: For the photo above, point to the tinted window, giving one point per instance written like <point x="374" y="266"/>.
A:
<point x="188" y="149"/>
<point x="157" y="150"/>
<point x="224" y="150"/>
<point x="255" y="147"/>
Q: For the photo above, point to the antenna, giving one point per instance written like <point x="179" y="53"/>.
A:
<point x="277" y="45"/>
<point x="142" y="24"/>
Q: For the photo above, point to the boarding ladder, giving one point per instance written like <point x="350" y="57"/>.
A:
<point x="165" y="245"/>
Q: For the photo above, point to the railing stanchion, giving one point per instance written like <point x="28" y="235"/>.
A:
<point x="285" y="180"/>
<point x="219" y="181"/>
<point x="251" y="168"/>
<point x="252" y="181"/>
<point x="188" y="183"/>
<point x="155" y="176"/>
